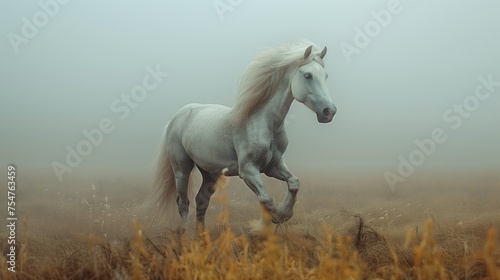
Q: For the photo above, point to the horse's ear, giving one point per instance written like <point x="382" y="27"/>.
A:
<point x="308" y="51"/>
<point x="322" y="54"/>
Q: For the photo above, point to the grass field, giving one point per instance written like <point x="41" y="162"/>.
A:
<point x="349" y="226"/>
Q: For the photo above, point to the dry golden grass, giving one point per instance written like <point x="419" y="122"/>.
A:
<point x="433" y="227"/>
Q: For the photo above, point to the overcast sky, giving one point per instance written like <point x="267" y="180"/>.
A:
<point x="398" y="71"/>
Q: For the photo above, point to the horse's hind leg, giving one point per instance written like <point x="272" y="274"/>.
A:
<point x="203" y="197"/>
<point x="182" y="165"/>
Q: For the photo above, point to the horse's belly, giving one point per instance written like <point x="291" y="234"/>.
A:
<point x="213" y="158"/>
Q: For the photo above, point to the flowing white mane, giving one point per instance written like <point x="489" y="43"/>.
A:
<point x="263" y="75"/>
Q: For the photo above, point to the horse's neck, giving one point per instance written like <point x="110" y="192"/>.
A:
<point x="275" y="111"/>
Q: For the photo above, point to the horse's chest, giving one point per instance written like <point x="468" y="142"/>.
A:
<point x="276" y="149"/>
<point x="273" y="154"/>
<point x="260" y="146"/>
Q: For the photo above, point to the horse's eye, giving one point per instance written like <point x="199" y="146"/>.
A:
<point x="308" y="76"/>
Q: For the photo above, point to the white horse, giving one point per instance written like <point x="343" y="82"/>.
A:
<point x="248" y="139"/>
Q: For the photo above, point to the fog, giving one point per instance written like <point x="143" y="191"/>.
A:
<point x="398" y="71"/>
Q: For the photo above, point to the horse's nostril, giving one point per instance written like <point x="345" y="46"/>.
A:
<point x="327" y="112"/>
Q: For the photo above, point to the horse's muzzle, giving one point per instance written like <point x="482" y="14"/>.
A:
<point x="326" y="115"/>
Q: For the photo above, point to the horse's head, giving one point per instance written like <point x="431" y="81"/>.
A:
<point x="308" y="86"/>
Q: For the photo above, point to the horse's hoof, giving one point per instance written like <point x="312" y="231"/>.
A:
<point x="180" y="231"/>
<point x="280" y="220"/>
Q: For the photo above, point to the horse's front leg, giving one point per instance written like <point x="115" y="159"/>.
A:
<point x="250" y="174"/>
<point x="280" y="171"/>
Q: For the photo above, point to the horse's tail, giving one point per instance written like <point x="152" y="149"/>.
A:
<point x="164" y="192"/>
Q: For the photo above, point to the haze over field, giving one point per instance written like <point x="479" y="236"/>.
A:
<point x="398" y="70"/>
<point x="403" y="184"/>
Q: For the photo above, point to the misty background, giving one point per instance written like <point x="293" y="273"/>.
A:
<point x="394" y="91"/>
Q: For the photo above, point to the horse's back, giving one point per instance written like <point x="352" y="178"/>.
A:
<point x="194" y="114"/>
